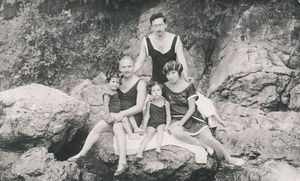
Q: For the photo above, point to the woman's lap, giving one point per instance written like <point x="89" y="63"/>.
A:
<point x="192" y="126"/>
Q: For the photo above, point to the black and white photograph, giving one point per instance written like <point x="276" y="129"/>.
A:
<point x="149" y="90"/>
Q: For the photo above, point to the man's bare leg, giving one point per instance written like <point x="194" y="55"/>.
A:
<point x="92" y="138"/>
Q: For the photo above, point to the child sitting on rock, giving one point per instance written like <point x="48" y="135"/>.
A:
<point x="111" y="103"/>
<point x="157" y="118"/>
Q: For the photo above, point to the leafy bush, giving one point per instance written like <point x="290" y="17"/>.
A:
<point x="45" y="49"/>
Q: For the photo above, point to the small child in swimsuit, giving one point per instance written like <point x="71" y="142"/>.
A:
<point x="111" y="100"/>
<point x="157" y="118"/>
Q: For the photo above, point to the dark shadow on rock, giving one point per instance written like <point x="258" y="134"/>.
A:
<point x="70" y="148"/>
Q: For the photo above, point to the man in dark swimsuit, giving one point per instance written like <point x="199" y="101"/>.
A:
<point x="132" y="93"/>
<point x="162" y="47"/>
<point x="132" y="102"/>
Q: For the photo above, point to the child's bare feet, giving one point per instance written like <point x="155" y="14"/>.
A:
<point x="138" y="131"/>
<point x="134" y="136"/>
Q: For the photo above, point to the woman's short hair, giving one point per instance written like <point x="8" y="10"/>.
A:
<point x="173" y="66"/>
<point x="151" y="84"/>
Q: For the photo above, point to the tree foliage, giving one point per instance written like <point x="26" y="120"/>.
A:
<point x="45" y="49"/>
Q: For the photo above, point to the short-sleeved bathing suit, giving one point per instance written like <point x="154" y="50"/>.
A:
<point x="128" y="100"/>
<point x="179" y="107"/>
<point x="160" y="59"/>
<point x="157" y="115"/>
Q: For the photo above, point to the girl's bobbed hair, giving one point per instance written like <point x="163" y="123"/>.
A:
<point x="151" y="84"/>
<point x="113" y="71"/>
<point x="171" y="66"/>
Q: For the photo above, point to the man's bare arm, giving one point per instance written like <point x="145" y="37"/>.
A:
<point x="141" y="58"/>
<point x="180" y="57"/>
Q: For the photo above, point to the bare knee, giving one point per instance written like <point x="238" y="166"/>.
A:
<point x="176" y="130"/>
<point x="100" y="126"/>
<point x="160" y="127"/>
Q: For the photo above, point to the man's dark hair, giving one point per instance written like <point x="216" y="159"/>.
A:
<point x="156" y="16"/>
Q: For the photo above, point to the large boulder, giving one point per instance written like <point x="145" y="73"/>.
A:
<point x="173" y="163"/>
<point x="92" y="94"/>
<point x="36" y="115"/>
<point x="38" y="164"/>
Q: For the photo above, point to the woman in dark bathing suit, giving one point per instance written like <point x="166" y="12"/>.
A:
<point x="186" y="120"/>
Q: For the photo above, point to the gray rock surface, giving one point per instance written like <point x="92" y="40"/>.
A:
<point x="251" y="61"/>
<point x="36" y="115"/>
<point x="38" y="164"/>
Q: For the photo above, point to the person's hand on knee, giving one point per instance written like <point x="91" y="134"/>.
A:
<point x="117" y="116"/>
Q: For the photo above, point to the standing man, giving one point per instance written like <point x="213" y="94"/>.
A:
<point x="162" y="47"/>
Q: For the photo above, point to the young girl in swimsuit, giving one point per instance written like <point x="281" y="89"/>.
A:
<point x="157" y="118"/>
<point x="111" y="100"/>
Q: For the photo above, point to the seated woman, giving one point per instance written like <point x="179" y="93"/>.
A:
<point x="187" y="122"/>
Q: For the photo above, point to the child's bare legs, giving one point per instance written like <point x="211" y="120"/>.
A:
<point x="206" y="136"/>
<point x="92" y="138"/>
<point x="159" y="136"/>
<point x="128" y="129"/>
<point x="150" y="133"/>
<point x="134" y="125"/>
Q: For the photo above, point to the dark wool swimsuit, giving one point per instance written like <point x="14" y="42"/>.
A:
<point x="160" y="59"/>
<point x="157" y="115"/>
<point x="114" y="104"/>
<point x="179" y="106"/>
<point x="128" y="100"/>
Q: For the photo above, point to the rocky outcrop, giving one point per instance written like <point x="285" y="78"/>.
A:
<point x="92" y="94"/>
<point x="269" y="141"/>
<point x="45" y="167"/>
<point x="36" y="115"/>
<point x="251" y="60"/>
